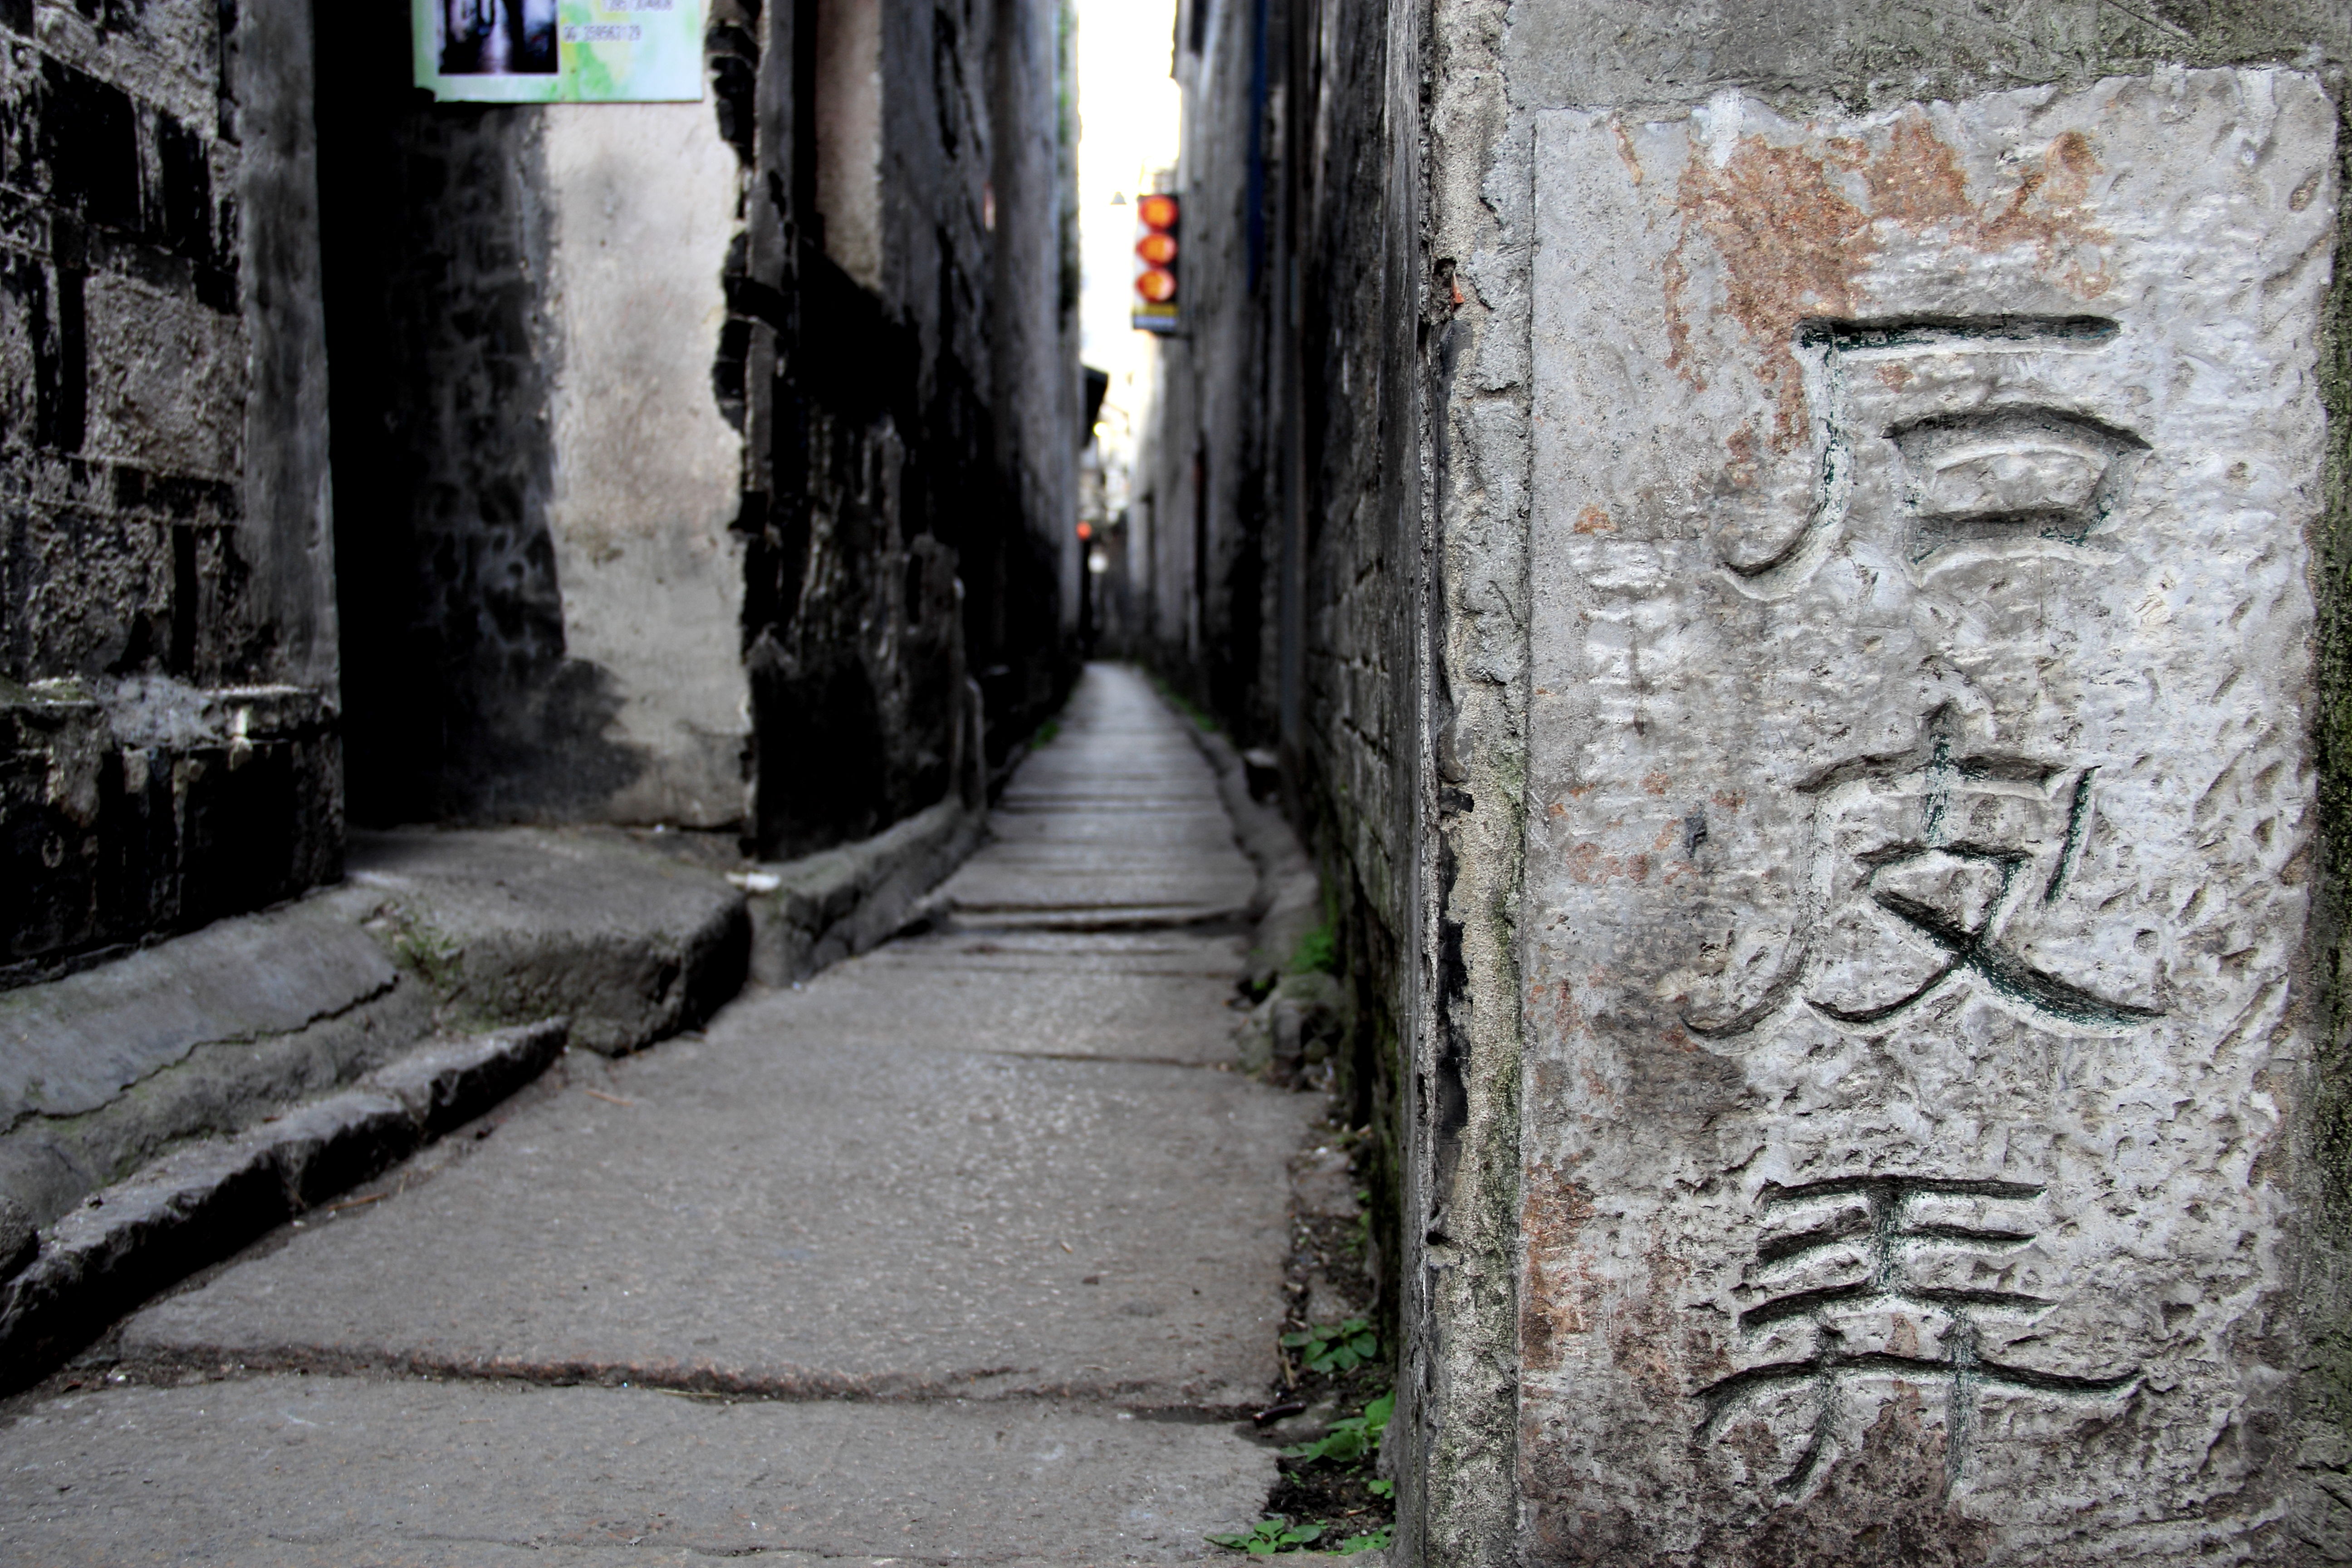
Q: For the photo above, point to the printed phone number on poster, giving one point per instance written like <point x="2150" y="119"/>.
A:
<point x="603" y="33"/>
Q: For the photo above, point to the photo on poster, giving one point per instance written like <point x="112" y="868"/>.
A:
<point x="496" y="37"/>
<point x="545" y="51"/>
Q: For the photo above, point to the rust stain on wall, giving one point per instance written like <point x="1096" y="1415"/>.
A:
<point x="1741" y="470"/>
<point x="1796" y="226"/>
<point x="1642" y="1333"/>
<point x="1674" y="278"/>
<point x="1587" y="864"/>
<point x="1555" y="1307"/>
<point x="1625" y="153"/>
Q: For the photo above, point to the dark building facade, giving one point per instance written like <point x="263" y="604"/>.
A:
<point x="866" y="466"/>
<point x="627" y="463"/>
<point x="168" y="692"/>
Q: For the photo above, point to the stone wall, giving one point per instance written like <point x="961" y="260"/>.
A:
<point x="168" y="734"/>
<point x="1920" y="1002"/>
<point x="912" y="493"/>
<point x="1862" y="734"/>
<point x="1278" y="539"/>
<point x="1920" y="741"/>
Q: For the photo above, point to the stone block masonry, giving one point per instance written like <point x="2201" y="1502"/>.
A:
<point x="168" y="747"/>
<point x="901" y="356"/>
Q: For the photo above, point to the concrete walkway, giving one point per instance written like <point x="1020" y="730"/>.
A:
<point x="969" y="1250"/>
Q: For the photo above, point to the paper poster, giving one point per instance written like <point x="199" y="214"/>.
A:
<point x="545" y="51"/>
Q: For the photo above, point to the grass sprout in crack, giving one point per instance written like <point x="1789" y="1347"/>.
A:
<point x="1335" y="1347"/>
<point x="1349" y="1440"/>
<point x="1276" y="1534"/>
<point x="1327" y="1410"/>
<point x="1269" y="1536"/>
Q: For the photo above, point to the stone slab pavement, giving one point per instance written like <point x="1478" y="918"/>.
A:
<point x="1116" y="822"/>
<point x="293" y="1469"/>
<point x="968" y="1249"/>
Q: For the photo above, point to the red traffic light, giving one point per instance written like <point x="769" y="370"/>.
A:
<point x="1156" y="304"/>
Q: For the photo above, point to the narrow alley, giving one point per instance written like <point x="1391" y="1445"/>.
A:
<point x="973" y="1244"/>
<point x="1467" y="784"/>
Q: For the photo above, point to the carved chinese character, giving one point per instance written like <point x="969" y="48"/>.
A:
<point x="1938" y="853"/>
<point x="2009" y="476"/>
<point x="1867" y="1284"/>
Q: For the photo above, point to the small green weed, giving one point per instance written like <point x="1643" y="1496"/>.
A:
<point x="1269" y="1536"/>
<point x="1317" y="951"/>
<point x="1335" y="1347"/>
<point x="1382" y="1489"/>
<point x="1348" y="1440"/>
<point x="433" y="955"/>
<point x="1378" y="1541"/>
<point x="1183" y="705"/>
<point x="1046" y="733"/>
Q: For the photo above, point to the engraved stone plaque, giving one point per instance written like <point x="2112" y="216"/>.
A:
<point x="1919" y="819"/>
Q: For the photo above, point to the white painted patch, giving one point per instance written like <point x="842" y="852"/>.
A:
<point x="649" y="473"/>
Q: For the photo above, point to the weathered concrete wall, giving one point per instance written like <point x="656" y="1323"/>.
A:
<point x="647" y="474"/>
<point x="168" y="747"/>
<point x="1461" y="1234"/>
<point x="542" y="587"/>
<point x="463" y="699"/>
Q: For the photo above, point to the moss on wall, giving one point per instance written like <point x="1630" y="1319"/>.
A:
<point x="2327" y="1293"/>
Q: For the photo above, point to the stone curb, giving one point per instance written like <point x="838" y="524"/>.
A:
<point x="1290" y="902"/>
<point x="817" y="911"/>
<point x="436" y="934"/>
<point x="488" y="930"/>
<point x="516" y="924"/>
<point x="201" y="1203"/>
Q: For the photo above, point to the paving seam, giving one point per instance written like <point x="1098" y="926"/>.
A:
<point x="158" y="1371"/>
